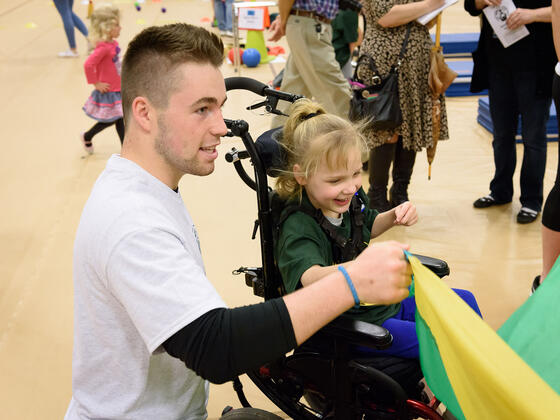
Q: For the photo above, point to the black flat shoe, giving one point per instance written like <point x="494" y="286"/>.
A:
<point x="484" y="202"/>
<point x="526" y="215"/>
<point x="536" y="283"/>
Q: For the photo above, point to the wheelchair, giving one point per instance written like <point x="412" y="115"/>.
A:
<point x="323" y="378"/>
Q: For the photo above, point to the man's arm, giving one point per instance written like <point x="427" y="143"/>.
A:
<point x="278" y="27"/>
<point x="380" y="275"/>
<point x="226" y="342"/>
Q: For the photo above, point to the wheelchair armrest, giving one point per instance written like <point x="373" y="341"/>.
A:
<point x="439" y="267"/>
<point x="358" y="332"/>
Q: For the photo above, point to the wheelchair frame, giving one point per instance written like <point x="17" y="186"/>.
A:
<point x="282" y="381"/>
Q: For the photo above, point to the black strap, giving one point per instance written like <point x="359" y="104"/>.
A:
<point x="371" y="61"/>
<point x="343" y="249"/>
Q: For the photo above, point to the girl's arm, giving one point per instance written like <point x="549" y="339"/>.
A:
<point x="401" y="14"/>
<point x="92" y="62"/>
<point x="317" y="272"/>
<point x="404" y="214"/>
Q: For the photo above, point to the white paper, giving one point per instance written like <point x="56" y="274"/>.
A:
<point x="429" y="16"/>
<point x="497" y="17"/>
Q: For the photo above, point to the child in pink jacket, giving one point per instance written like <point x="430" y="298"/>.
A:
<point x="103" y="70"/>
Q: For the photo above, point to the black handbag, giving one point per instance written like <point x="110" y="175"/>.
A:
<point x="377" y="103"/>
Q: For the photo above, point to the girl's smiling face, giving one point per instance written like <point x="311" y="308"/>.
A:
<point x="332" y="189"/>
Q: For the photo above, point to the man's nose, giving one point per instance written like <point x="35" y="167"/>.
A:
<point x="219" y="128"/>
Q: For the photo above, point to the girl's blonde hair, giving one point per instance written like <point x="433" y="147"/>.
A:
<point x="310" y="137"/>
<point x="103" y="20"/>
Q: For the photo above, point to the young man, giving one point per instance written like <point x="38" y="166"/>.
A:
<point x="149" y="326"/>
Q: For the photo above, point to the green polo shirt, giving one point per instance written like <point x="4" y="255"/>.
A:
<point x="302" y="244"/>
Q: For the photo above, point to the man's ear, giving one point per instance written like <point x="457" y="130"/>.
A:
<point x="144" y="113"/>
<point x="300" y="179"/>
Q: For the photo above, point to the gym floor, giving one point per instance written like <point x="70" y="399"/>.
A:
<point x="46" y="179"/>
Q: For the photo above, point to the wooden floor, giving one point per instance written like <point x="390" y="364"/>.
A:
<point x="46" y="179"/>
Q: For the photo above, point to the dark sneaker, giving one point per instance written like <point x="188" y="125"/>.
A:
<point x="526" y="215"/>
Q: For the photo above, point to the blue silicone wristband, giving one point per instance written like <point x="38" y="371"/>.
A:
<point x="350" y="285"/>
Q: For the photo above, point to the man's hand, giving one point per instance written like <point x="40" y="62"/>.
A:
<point x="381" y="273"/>
<point x="520" y="17"/>
<point x="102" y="86"/>
<point x="277" y="29"/>
<point x="405" y="214"/>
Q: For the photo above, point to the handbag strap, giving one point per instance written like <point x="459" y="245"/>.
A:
<point x="371" y="62"/>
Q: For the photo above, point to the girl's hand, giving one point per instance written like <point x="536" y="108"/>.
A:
<point x="405" y="214"/>
<point x="102" y="86"/>
<point x="519" y="18"/>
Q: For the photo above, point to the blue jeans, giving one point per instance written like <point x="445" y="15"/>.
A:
<point x="224" y="15"/>
<point x="513" y="93"/>
<point x="70" y="20"/>
<point x="402" y="327"/>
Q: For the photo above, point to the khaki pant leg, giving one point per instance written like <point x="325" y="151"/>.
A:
<point x="312" y="69"/>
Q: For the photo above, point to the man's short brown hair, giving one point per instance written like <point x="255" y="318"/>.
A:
<point x="155" y="53"/>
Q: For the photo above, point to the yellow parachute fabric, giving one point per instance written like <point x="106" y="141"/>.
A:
<point x="489" y="380"/>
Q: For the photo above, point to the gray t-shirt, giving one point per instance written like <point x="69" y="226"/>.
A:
<point x="138" y="279"/>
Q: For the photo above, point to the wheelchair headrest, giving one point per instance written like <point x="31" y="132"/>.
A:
<point x="270" y="151"/>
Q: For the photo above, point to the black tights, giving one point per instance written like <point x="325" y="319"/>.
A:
<point x="119" y="125"/>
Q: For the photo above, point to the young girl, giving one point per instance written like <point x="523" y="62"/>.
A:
<point x="327" y="220"/>
<point x="103" y="70"/>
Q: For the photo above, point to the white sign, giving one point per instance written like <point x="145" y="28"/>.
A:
<point x="251" y="19"/>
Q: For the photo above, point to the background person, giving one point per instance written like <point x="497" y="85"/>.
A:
<point x="311" y="69"/>
<point x="387" y="23"/>
<point x="70" y="21"/>
<point x="519" y="80"/>
<point x="551" y="210"/>
<point x="103" y="70"/>
<point x="347" y="35"/>
<point x="144" y="307"/>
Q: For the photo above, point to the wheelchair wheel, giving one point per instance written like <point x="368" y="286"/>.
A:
<point x="249" y="413"/>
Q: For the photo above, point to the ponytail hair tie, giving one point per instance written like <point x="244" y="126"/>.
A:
<point x="311" y="115"/>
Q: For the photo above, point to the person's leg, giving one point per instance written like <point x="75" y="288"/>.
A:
<point x="504" y="113"/>
<point x="292" y="80"/>
<point x="119" y="125"/>
<point x="77" y="21"/>
<point x="380" y="159"/>
<point x="65" y="11"/>
<point x="314" y="61"/>
<point x="229" y="15"/>
<point x="551" y="210"/>
<point x="98" y="127"/>
<point x="403" y="165"/>
<point x="534" y="112"/>
<point x="220" y="12"/>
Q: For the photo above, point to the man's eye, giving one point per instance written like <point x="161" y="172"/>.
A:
<point x="202" y="110"/>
